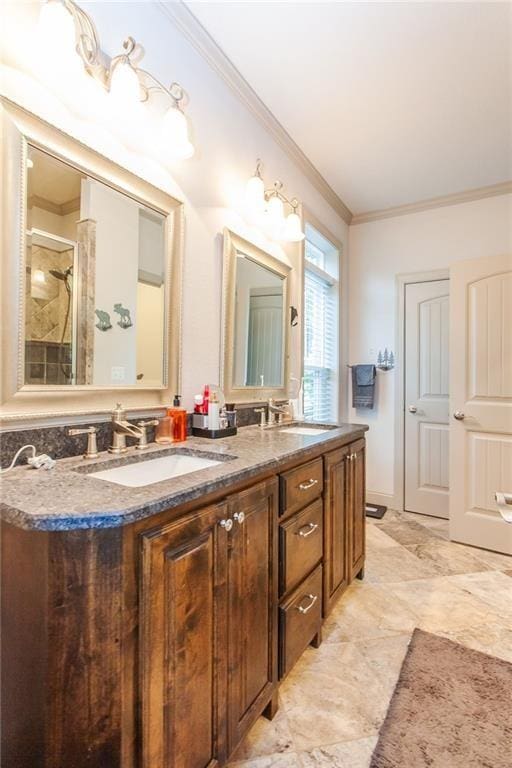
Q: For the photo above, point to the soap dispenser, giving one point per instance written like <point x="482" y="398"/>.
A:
<point x="179" y="419"/>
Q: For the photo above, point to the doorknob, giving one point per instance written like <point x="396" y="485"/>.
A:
<point x="412" y="409"/>
<point x="458" y="415"/>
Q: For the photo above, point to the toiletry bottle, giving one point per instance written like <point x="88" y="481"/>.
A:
<point x="179" y="418"/>
<point x="164" y="431"/>
<point x="213" y="412"/>
<point x="198" y="403"/>
<point x="206" y="399"/>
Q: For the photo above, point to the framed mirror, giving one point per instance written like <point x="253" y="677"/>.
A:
<point x="255" y="348"/>
<point x="92" y="291"/>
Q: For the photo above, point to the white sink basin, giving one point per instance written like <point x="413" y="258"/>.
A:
<point x="305" y="430"/>
<point x="154" y="470"/>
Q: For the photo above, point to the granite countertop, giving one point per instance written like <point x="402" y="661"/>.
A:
<point x="66" y="498"/>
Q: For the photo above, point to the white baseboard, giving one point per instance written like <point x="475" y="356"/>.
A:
<point x="385" y="499"/>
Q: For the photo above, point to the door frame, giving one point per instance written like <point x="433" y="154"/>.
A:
<point x="402" y="280"/>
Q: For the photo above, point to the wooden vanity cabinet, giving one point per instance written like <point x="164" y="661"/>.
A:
<point x="252" y="607"/>
<point x="344" y="519"/>
<point x="357" y="510"/>
<point x="208" y="629"/>
<point x="337" y="499"/>
<point x="182" y="641"/>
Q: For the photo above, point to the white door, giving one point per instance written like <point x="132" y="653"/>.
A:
<point x="426" y="398"/>
<point x="481" y="401"/>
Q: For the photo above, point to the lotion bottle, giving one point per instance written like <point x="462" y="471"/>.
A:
<point x="213" y="412"/>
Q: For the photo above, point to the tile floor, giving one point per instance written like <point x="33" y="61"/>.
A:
<point x="334" y="701"/>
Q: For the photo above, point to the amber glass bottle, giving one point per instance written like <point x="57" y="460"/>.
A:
<point x="179" y="420"/>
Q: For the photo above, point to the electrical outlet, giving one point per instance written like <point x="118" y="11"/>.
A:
<point x="117" y="373"/>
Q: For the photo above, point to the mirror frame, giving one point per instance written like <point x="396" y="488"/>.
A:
<point x="234" y="244"/>
<point x="19" y="401"/>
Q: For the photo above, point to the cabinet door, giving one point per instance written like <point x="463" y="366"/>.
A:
<point x="336" y="513"/>
<point x="357" y="546"/>
<point x="183" y="642"/>
<point x="252" y="606"/>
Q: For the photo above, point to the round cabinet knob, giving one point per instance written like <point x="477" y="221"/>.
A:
<point x="458" y="415"/>
<point x="239" y="517"/>
<point x="413" y="409"/>
<point x="226" y="524"/>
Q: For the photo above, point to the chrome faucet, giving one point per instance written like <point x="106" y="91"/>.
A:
<point x="281" y="411"/>
<point x="122" y="427"/>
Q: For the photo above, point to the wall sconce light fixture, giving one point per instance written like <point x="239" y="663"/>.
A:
<point x="65" y="25"/>
<point x="267" y="206"/>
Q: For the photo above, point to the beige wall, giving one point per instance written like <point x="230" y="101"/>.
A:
<point x="378" y="252"/>
<point x="228" y="139"/>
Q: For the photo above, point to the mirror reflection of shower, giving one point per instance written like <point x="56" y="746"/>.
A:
<point x="51" y="332"/>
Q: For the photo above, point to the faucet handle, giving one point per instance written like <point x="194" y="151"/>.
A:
<point x="261" y="411"/>
<point x="148" y="423"/>
<point x="143" y="444"/>
<point x="92" y="443"/>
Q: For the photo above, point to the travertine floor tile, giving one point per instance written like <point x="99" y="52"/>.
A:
<point x="267" y="737"/>
<point x="442" y="605"/>
<point x="368" y="611"/>
<point x="492" y="587"/>
<point x="333" y="697"/>
<point x="409" y="532"/>
<point x="377" y="539"/>
<point x="495" y="560"/>
<point x="290" y="760"/>
<point x="494" y="638"/>
<point x="348" y="754"/>
<point x="448" y="558"/>
<point x="395" y="564"/>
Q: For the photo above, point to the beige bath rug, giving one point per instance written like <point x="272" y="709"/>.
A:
<point x="452" y="708"/>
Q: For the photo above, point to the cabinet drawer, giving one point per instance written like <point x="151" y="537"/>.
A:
<point x="301" y="486"/>
<point x="300" y="545"/>
<point x="300" y="619"/>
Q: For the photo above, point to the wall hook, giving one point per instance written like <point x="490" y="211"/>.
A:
<point x="103" y="323"/>
<point x="125" y="320"/>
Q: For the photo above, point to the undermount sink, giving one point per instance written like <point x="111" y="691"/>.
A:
<point x="148" y="471"/>
<point x="308" y="429"/>
<point x="305" y="430"/>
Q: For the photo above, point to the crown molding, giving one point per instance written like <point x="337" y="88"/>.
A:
<point x="203" y="42"/>
<point x="468" y="196"/>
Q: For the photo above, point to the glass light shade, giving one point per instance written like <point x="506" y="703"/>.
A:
<point x="292" y="229"/>
<point x="276" y="210"/>
<point x="124" y="83"/>
<point x="255" y="195"/>
<point x="175" y="134"/>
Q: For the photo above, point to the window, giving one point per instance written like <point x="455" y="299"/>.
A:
<point x="321" y="327"/>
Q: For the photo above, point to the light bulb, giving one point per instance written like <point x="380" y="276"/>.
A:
<point x="292" y="229"/>
<point x="255" y="195"/>
<point x="174" y="133"/>
<point x="124" y="83"/>
<point x="39" y="276"/>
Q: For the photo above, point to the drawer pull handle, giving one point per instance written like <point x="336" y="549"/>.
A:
<point x="226" y="524"/>
<point x="307" y="530"/>
<point x="308" y="484"/>
<point x="312" y="601"/>
<point x="239" y="517"/>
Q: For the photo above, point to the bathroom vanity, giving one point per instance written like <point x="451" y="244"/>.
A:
<point x="149" y="626"/>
